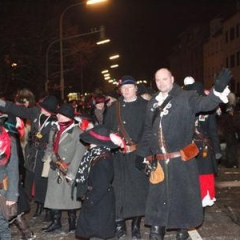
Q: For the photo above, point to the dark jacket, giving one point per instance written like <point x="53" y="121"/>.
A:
<point x="97" y="215"/>
<point x="130" y="184"/>
<point x="207" y="140"/>
<point x="35" y="148"/>
<point x="175" y="202"/>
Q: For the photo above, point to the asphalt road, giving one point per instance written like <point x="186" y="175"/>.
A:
<point x="222" y="220"/>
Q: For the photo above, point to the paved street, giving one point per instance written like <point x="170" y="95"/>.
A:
<point x="222" y="221"/>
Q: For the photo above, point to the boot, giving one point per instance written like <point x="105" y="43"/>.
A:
<point x="72" y="216"/>
<point x="38" y="210"/>
<point x="121" y="230"/>
<point x="157" y="233"/>
<point x="136" y="221"/>
<point x="48" y="215"/>
<point x="22" y="225"/>
<point x="182" y="234"/>
<point x="56" y="222"/>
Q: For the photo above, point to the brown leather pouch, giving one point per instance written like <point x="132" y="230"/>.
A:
<point x="157" y="175"/>
<point x="189" y="152"/>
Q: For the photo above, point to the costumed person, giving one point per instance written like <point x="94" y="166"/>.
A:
<point x="99" y="106"/>
<point x="126" y="117"/>
<point x="65" y="152"/>
<point x="208" y="143"/>
<point x="42" y="117"/>
<point x="9" y="175"/>
<point x="94" y="185"/>
<point x="174" y="198"/>
<point x="14" y="127"/>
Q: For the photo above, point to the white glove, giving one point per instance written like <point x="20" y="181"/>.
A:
<point x="222" y="95"/>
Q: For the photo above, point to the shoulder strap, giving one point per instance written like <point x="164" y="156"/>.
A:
<point x="120" y="124"/>
<point x="159" y="109"/>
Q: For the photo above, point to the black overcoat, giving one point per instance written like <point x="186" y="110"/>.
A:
<point x="130" y="184"/>
<point x="207" y="142"/>
<point x="175" y="202"/>
<point x="97" y="215"/>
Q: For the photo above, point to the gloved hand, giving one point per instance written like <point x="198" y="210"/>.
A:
<point x="139" y="163"/>
<point x="222" y="80"/>
<point x="53" y="165"/>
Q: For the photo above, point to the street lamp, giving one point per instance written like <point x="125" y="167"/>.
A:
<point x="58" y="40"/>
<point x="61" y="39"/>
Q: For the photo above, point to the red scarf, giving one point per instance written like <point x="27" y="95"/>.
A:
<point x="63" y="126"/>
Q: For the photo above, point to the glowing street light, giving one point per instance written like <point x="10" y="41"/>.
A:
<point x="114" y="57"/>
<point x="103" y="41"/>
<point x="114" y="66"/>
<point x="89" y="2"/>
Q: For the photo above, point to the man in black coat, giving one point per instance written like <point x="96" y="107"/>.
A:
<point x="126" y="116"/>
<point x="175" y="202"/>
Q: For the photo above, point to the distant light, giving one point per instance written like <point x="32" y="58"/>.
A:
<point x="89" y="2"/>
<point x="114" y="57"/>
<point x="110" y="81"/>
<point x="106" y="75"/>
<point x="104" y="71"/>
<point x="103" y="41"/>
<point x="114" y="66"/>
<point x="14" y="64"/>
<point x="107" y="78"/>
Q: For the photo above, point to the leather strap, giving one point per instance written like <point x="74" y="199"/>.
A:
<point x="164" y="156"/>
<point x="120" y="124"/>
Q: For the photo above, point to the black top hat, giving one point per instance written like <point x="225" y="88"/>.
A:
<point x="66" y="110"/>
<point x="127" y="80"/>
<point x="98" y="135"/>
<point x="49" y="103"/>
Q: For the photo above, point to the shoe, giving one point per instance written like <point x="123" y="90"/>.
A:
<point x="121" y="230"/>
<point x="38" y="211"/>
<point x="21" y="223"/>
<point x="56" y="222"/>
<point x="157" y="233"/>
<point x="182" y="234"/>
<point x="136" y="221"/>
<point x="72" y="216"/>
<point x="48" y="215"/>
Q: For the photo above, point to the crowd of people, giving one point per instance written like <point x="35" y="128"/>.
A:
<point x="132" y="154"/>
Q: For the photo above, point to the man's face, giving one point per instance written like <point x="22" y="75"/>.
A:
<point x="129" y="91"/>
<point x="164" y="80"/>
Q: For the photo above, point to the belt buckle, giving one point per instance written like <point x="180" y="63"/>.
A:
<point x="128" y="148"/>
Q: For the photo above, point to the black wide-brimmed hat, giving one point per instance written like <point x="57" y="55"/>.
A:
<point x="49" y="103"/>
<point x="66" y="110"/>
<point x="98" y="135"/>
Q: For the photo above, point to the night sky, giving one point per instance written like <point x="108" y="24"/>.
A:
<point x="144" y="31"/>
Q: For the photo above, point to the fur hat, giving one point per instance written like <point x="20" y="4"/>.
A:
<point x="98" y="135"/>
<point x="49" y="103"/>
<point x="66" y="110"/>
<point x="127" y="80"/>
